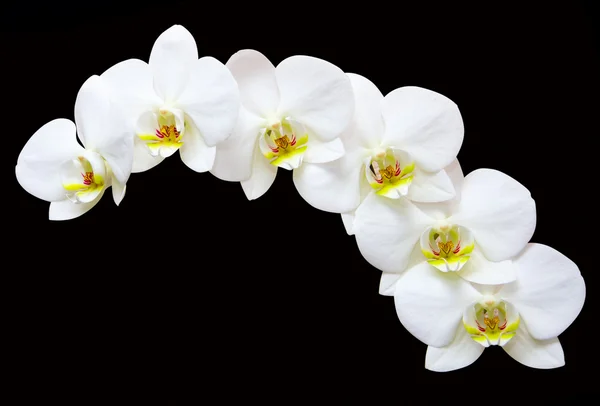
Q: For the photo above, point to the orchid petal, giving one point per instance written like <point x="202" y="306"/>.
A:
<point x="430" y="303"/>
<point x="234" y="156"/>
<point x="171" y="59"/>
<point x="319" y="152"/>
<point x="333" y="186"/>
<point x="39" y="162"/>
<point x="194" y="152"/>
<point x="498" y="210"/>
<point x="387" y="230"/>
<point x="431" y="187"/>
<point x="211" y="98"/>
<point x="118" y="191"/>
<point x="423" y="123"/>
<point x="480" y="270"/>
<point x="549" y="291"/>
<point x="67" y="210"/>
<point x="542" y="354"/>
<point x="316" y="93"/>
<point x="263" y="176"/>
<point x="131" y="85"/>
<point x="367" y="127"/>
<point x="255" y="76"/>
<point x="460" y="353"/>
<point x="387" y="283"/>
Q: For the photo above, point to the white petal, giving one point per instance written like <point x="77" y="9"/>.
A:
<point x="498" y="210"/>
<point x="544" y="354"/>
<point x="263" y="176"/>
<point x="387" y="230"/>
<point x="234" y="157"/>
<point x="131" y="85"/>
<point x="549" y="291"/>
<point x="425" y="124"/>
<point x="38" y="164"/>
<point x="316" y="93"/>
<point x="480" y="270"/>
<point x="67" y="210"/>
<point x="118" y="191"/>
<point x="430" y="187"/>
<point x="366" y="128"/>
<point x="348" y="221"/>
<point x="211" y="98"/>
<point x="430" y="303"/>
<point x="142" y="159"/>
<point x="194" y="152"/>
<point x="387" y="283"/>
<point x="255" y="76"/>
<point x="332" y="186"/>
<point x="460" y="353"/>
<point x="319" y="152"/>
<point x="443" y="210"/>
<point x="101" y="127"/>
<point x="171" y="59"/>
<point x="92" y="111"/>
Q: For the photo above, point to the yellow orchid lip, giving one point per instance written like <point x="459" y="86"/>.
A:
<point x="284" y="143"/>
<point x="447" y="248"/>
<point x="492" y="322"/>
<point x="389" y="172"/>
<point x="83" y="178"/>
<point x="167" y="138"/>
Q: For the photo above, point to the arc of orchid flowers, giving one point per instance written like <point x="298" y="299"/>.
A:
<point x="175" y="102"/>
<point x="396" y="146"/>
<point x="458" y="319"/>
<point x="492" y="218"/>
<point x="291" y="116"/>
<point x="52" y="166"/>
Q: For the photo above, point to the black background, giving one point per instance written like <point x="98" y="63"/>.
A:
<point x="189" y="288"/>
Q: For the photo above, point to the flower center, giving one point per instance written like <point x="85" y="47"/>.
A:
<point x="284" y="143"/>
<point x="166" y="138"/>
<point x="491" y="322"/>
<point x="447" y="247"/>
<point x="390" y="172"/>
<point x="84" y="177"/>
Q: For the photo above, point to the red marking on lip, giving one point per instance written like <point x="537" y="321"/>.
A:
<point x="457" y="248"/>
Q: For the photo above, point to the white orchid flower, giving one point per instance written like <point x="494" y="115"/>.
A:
<point x="396" y="146"/>
<point x="475" y="235"/>
<point x="291" y="115"/>
<point x="53" y="166"/>
<point x="176" y="102"/>
<point x="458" y="319"/>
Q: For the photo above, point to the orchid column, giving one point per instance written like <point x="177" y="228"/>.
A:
<point x="291" y="116"/>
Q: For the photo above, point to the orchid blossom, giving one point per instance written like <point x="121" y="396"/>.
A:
<point x="176" y="102"/>
<point x="53" y="166"/>
<point x="396" y="146"/>
<point x="475" y="235"/>
<point x="458" y="319"/>
<point x="291" y="116"/>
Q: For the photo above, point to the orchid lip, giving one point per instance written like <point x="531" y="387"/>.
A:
<point x="389" y="171"/>
<point x="491" y="322"/>
<point x="448" y="248"/>
<point x="284" y="143"/>
<point x="85" y="177"/>
<point x="168" y="134"/>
